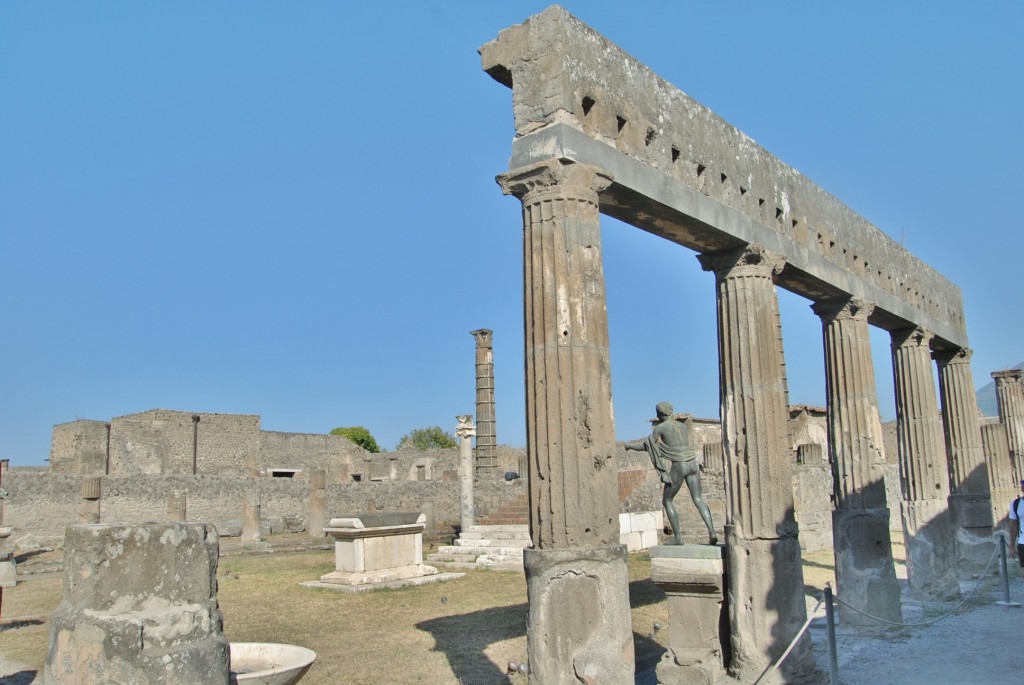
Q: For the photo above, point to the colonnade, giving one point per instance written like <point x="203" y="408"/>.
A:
<point x="571" y="445"/>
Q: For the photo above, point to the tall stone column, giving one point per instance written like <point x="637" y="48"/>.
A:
<point x="251" y="516"/>
<point x="970" y="503"/>
<point x="486" y="433"/>
<point x="317" y="503"/>
<point x="860" y="522"/>
<point x="1002" y="480"/>
<point x="465" y="430"/>
<point x="1010" y="396"/>
<point x="923" y="469"/>
<point x="765" y="577"/>
<point x="577" y="581"/>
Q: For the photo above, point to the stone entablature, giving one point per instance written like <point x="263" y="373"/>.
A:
<point x="579" y="97"/>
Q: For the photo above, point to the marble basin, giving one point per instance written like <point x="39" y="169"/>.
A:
<point x="268" y="663"/>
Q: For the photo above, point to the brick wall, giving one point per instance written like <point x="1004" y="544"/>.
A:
<point x="79" y="447"/>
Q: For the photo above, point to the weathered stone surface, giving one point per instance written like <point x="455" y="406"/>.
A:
<point x="140" y="607"/>
<point x="579" y="625"/>
<point x="1010" y="396"/>
<point x="930" y="551"/>
<point x="486" y="428"/>
<point x="765" y="598"/>
<point x="865" y="575"/>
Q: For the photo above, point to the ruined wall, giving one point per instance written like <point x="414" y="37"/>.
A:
<point x="152" y="442"/>
<point x="227" y="444"/>
<point x="79" y="447"/>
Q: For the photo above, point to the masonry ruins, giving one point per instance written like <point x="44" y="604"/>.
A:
<point x="596" y="131"/>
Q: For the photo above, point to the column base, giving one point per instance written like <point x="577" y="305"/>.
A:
<point x="580" y="626"/>
<point x="970" y="515"/>
<point x="864" y="567"/>
<point x="766" y="604"/>
<point x="931" y="556"/>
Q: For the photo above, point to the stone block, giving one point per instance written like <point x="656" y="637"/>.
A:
<point x="139" y="606"/>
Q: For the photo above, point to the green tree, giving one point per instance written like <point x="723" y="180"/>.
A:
<point x="359" y="436"/>
<point x="428" y="438"/>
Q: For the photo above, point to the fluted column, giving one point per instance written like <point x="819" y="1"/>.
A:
<point x="765" y="577"/>
<point x="1002" y="479"/>
<point x="577" y="580"/>
<point x="924" y="472"/>
<point x="865" y="573"/>
<point x="1010" y="396"/>
<point x="969" y="499"/>
<point x="486" y="433"/>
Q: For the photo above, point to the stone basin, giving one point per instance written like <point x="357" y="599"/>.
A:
<point x="268" y="663"/>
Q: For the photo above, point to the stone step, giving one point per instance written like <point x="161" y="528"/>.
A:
<point x="451" y="557"/>
<point x="508" y="551"/>
<point x="492" y="542"/>
<point x="505" y="532"/>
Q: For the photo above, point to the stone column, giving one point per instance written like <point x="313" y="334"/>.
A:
<point x="91" y="493"/>
<point x="1002" y="481"/>
<point x="317" y="502"/>
<point x="486" y="429"/>
<point x="924" y="470"/>
<point x="577" y="580"/>
<point x="139" y="606"/>
<point x="1010" y="396"/>
<point x="765" y="582"/>
<point x="465" y="430"/>
<point x="251" y="517"/>
<point x="865" y="572"/>
<point x="970" y="503"/>
<point x="176" y="506"/>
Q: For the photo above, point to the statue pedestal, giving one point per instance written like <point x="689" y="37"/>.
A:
<point x="693" y="578"/>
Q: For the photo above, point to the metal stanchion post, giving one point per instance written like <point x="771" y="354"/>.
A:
<point x="830" y="621"/>
<point x="1004" y="573"/>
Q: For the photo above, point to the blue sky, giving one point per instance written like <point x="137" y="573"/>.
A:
<point x="289" y="209"/>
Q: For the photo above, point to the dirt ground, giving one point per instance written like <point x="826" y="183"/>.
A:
<point x="978" y="644"/>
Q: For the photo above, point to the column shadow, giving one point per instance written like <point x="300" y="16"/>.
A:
<point x="463" y="638"/>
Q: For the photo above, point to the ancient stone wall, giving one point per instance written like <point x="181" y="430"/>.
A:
<point x="227" y="443"/>
<point x="79" y="447"/>
<point x="152" y="442"/>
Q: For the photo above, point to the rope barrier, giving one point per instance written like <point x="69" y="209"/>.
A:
<point x="774" y="667"/>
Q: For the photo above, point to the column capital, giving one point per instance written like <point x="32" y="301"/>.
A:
<point x="957" y="355"/>
<point x="911" y="337"/>
<point x="847" y="308"/>
<point x="743" y="260"/>
<point x="484" y="337"/>
<point x="1006" y="375"/>
<point x="465" y="428"/>
<point x="552" y="174"/>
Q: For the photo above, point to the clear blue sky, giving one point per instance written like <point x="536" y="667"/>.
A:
<point x="289" y="209"/>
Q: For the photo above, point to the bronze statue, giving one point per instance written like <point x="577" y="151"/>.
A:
<point x="670" y="447"/>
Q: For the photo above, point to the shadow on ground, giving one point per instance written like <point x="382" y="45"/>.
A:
<point x="465" y="637"/>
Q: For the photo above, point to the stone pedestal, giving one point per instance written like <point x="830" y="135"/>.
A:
<point x="377" y="548"/>
<point x="863" y="550"/>
<point x="693" y="578"/>
<point x="579" y="625"/>
<point x="139" y="606"/>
